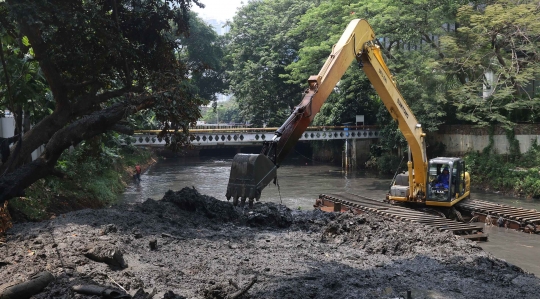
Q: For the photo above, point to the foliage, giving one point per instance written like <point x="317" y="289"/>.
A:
<point x="517" y="174"/>
<point x="99" y="63"/>
<point x="495" y="56"/>
<point x="386" y="163"/>
<point x="203" y="52"/>
<point x="228" y="112"/>
<point x="258" y="50"/>
<point x="94" y="171"/>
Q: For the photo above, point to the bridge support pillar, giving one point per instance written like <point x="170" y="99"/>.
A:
<point x="360" y="152"/>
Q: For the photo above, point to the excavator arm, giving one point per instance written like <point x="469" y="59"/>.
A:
<point x="251" y="173"/>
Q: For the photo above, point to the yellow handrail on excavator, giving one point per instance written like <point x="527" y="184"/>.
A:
<point x="251" y="173"/>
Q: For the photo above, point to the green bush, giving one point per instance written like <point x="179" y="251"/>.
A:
<point x="93" y="171"/>
<point x="515" y="172"/>
<point x="388" y="164"/>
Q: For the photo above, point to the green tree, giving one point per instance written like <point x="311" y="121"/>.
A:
<point x="258" y="50"/>
<point x="203" y="52"/>
<point x="495" y="57"/>
<point x="102" y="61"/>
<point x="228" y="112"/>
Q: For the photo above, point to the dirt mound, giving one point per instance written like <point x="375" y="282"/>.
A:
<point x="261" y="215"/>
<point x="189" y="199"/>
<point x="391" y="237"/>
<point x="268" y="214"/>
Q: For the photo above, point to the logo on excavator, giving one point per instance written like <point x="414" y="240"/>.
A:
<point x="402" y="108"/>
<point x="383" y="75"/>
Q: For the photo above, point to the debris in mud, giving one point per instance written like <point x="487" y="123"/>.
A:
<point x="28" y="288"/>
<point x="109" y="228"/>
<point x="153" y="244"/>
<point x="172" y="295"/>
<point x="230" y="291"/>
<point x="99" y="291"/>
<point x="269" y="214"/>
<point x="108" y="254"/>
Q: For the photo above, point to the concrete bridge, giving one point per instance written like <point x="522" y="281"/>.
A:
<point x="255" y="136"/>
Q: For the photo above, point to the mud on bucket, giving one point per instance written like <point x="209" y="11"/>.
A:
<point x="250" y="173"/>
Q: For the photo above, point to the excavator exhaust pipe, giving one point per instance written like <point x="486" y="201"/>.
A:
<point x="250" y="173"/>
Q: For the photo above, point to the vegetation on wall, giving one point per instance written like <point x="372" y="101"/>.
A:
<point x="508" y="173"/>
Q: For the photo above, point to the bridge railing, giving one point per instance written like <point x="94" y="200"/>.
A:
<point x="268" y="129"/>
<point x="226" y="137"/>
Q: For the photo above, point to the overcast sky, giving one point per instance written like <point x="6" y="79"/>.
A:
<point x="218" y="9"/>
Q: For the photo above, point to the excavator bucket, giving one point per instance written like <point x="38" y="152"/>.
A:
<point x="250" y="173"/>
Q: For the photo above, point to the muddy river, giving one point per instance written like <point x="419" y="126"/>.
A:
<point x="301" y="181"/>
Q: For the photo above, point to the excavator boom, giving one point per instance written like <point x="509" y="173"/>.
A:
<point x="251" y="173"/>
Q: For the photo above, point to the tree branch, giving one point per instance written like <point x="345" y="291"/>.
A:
<point x="8" y="85"/>
<point x="12" y="184"/>
<point x="87" y="102"/>
<point x="49" y="70"/>
<point x="122" y="129"/>
<point x="432" y="44"/>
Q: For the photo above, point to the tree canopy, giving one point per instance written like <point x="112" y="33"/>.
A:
<point x="257" y="51"/>
<point x="77" y="69"/>
<point x="454" y="61"/>
<point x="495" y="56"/>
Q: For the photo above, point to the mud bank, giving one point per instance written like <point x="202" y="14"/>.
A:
<point x="195" y="246"/>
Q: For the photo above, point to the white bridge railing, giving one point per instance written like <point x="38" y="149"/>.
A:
<point x="252" y="137"/>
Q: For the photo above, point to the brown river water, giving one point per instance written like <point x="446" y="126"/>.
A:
<point x="300" y="183"/>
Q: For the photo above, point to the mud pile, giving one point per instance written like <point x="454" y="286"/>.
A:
<point x="376" y="235"/>
<point x="194" y="246"/>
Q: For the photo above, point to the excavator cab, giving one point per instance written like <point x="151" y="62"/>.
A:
<point x="447" y="179"/>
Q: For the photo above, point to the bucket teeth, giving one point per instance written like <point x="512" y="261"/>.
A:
<point x="243" y="202"/>
<point x="235" y="201"/>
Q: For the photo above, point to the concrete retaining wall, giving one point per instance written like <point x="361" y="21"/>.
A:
<point x="461" y="139"/>
<point x="360" y="152"/>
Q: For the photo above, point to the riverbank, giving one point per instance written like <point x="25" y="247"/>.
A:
<point x="199" y="247"/>
<point x="89" y="183"/>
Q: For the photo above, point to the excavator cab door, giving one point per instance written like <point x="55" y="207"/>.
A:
<point x="459" y="181"/>
<point x="448" y="190"/>
<point x="438" y="190"/>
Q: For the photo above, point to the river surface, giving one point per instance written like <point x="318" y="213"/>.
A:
<point x="300" y="183"/>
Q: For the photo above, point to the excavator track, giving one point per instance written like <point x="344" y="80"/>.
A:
<point x="516" y="218"/>
<point x="341" y="202"/>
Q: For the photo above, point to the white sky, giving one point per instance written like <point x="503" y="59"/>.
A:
<point x="218" y="9"/>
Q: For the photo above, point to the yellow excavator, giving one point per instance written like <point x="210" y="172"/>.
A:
<point x="440" y="182"/>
